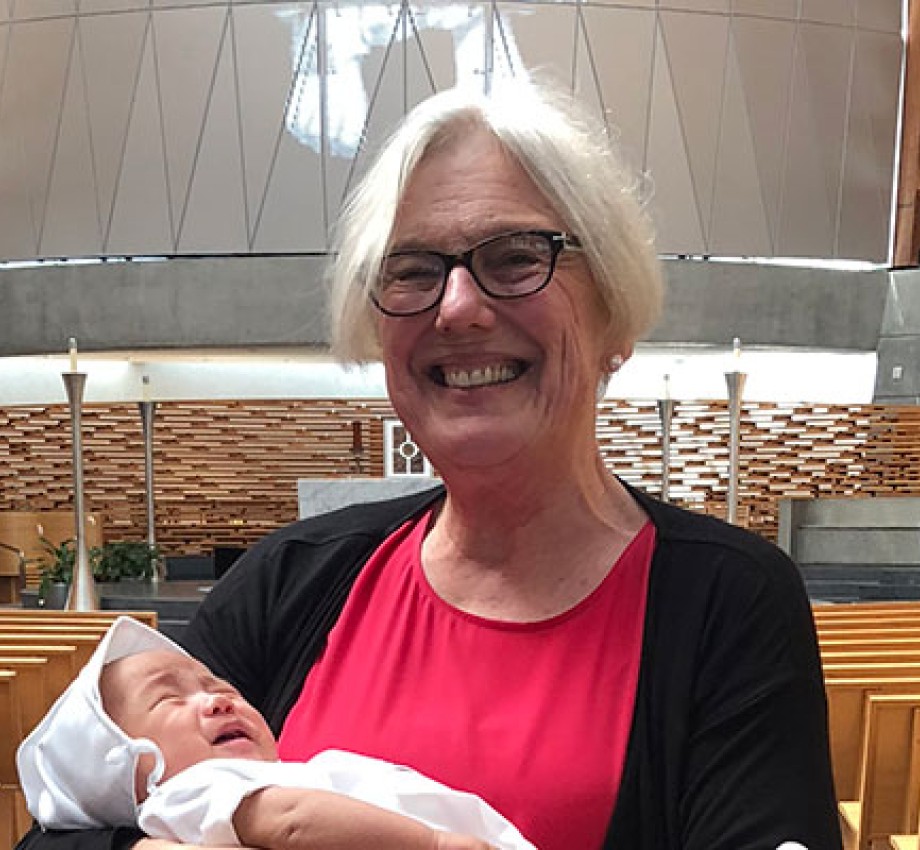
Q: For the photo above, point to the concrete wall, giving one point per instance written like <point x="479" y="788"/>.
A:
<point x="898" y="376"/>
<point x="253" y="301"/>
<point x="179" y="303"/>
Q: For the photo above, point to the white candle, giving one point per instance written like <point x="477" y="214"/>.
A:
<point x="736" y="349"/>
<point x="667" y="387"/>
<point x="72" y="349"/>
<point x="145" y="387"/>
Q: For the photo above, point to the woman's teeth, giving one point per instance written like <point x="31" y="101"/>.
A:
<point x="480" y="377"/>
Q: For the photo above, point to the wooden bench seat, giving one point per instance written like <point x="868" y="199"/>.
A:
<point x="889" y="772"/>
<point x="61" y="664"/>
<point x="41" y="616"/>
<point x="846" y="702"/>
<point x="40" y="653"/>
<point x="9" y="741"/>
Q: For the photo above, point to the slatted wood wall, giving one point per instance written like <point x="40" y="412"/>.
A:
<point x="226" y="472"/>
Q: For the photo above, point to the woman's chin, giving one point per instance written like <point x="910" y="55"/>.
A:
<point x="477" y="448"/>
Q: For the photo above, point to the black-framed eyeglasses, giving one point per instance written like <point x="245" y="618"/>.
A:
<point x="510" y="265"/>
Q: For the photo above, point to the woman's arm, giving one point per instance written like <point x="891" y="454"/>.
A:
<point x="299" y="819"/>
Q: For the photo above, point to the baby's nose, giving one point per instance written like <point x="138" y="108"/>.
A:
<point x="218" y="704"/>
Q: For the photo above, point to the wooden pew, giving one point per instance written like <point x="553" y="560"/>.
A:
<point x="889" y="772"/>
<point x="82" y="644"/>
<point x="846" y="705"/>
<point x="41" y="616"/>
<point x="845" y="643"/>
<point x="61" y="660"/>
<point x="829" y="608"/>
<point x="32" y="704"/>
<point x="857" y="654"/>
<point x="910" y="618"/>
<point x="31" y="675"/>
<point x="878" y="669"/>
<point x="9" y="741"/>
<point x="41" y="654"/>
<point x="879" y="628"/>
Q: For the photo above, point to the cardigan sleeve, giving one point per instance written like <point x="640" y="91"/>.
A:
<point x="757" y="767"/>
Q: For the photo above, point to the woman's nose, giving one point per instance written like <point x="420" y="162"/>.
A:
<point x="463" y="302"/>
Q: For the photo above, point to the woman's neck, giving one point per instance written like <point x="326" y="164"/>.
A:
<point x="516" y="550"/>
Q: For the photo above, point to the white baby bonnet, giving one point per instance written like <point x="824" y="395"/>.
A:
<point x="77" y="767"/>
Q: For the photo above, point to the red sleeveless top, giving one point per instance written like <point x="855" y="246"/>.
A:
<point x="532" y="717"/>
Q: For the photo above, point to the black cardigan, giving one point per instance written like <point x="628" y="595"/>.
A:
<point x="728" y="749"/>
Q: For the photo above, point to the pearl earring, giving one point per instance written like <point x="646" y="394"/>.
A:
<point x="616" y="362"/>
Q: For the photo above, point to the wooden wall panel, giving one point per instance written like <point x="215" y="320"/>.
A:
<point x="226" y="472"/>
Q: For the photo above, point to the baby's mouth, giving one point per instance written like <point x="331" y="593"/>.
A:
<point x="234" y="734"/>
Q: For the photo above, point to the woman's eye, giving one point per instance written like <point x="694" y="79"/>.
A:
<point x="410" y="272"/>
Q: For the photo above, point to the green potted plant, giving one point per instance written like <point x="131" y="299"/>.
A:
<point x="124" y="559"/>
<point x="55" y="572"/>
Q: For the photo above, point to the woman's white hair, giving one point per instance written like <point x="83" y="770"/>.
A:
<point x="571" y="160"/>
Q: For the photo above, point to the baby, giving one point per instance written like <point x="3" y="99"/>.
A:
<point x="146" y="735"/>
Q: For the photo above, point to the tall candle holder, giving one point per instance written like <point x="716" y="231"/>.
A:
<point x="665" y="414"/>
<point x="735" y="382"/>
<point x="147" y="409"/>
<point x="82" y="595"/>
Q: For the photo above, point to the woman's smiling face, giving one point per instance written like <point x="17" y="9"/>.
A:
<point x="480" y="381"/>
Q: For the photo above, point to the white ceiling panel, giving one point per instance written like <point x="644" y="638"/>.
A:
<point x="841" y="12"/>
<point x="739" y="223"/>
<point x="111" y="50"/>
<point x="808" y="208"/>
<point x="869" y="165"/>
<point x="718" y="6"/>
<point x="881" y="15"/>
<point x="792" y="146"/>
<point x="698" y="77"/>
<point x="763" y="52"/>
<point x="673" y="204"/>
<point x="291" y="220"/>
<point x="268" y="43"/>
<point x="772" y="9"/>
<point x="217" y="178"/>
<point x="430" y="57"/>
<point x="619" y="43"/>
<point x="140" y="221"/>
<point x="539" y="38"/>
<point x="93" y="7"/>
<point x="72" y="223"/>
<point x="188" y="44"/>
<point x="31" y="10"/>
<point x="828" y="55"/>
<point x="31" y="94"/>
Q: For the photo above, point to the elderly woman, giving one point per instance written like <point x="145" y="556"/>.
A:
<point x="606" y="670"/>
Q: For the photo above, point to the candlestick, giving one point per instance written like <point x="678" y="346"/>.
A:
<point x="735" y="382"/>
<point x="147" y="410"/>
<point x="72" y="351"/>
<point x="665" y="413"/>
<point x="82" y="595"/>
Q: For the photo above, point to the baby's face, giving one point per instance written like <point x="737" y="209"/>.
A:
<point x="187" y="712"/>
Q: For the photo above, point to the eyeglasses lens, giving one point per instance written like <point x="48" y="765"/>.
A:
<point x="508" y="266"/>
